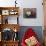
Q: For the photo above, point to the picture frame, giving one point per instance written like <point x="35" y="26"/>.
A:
<point x="29" y="13"/>
<point x="5" y="12"/>
<point x="13" y="12"/>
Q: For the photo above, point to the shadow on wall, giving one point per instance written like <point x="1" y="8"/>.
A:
<point x="37" y="29"/>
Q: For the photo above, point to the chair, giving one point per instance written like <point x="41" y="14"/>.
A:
<point x="28" y="37"/>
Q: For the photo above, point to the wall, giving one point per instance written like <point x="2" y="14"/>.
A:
<point x="32" y="22"/>
<point x="27" y="4"/>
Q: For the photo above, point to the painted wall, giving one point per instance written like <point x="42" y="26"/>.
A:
<point x="27" y="4"/>
<point x="32" y="22"/>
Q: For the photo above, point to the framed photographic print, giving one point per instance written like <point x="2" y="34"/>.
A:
<point x="13" y="12"/>
<point x="5" y="12"/>
<point x="29" y="12"/>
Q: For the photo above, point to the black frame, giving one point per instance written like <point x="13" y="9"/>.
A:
<point x="31" y="10"/>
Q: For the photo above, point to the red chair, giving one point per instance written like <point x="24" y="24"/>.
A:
<point x="29" y="33"/>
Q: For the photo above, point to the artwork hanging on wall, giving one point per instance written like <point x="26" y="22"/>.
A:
<point x="5" y="12"/>
<point x="29" y="12"/>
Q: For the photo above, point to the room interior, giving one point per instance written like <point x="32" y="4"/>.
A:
<point x="17" y="16"/>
